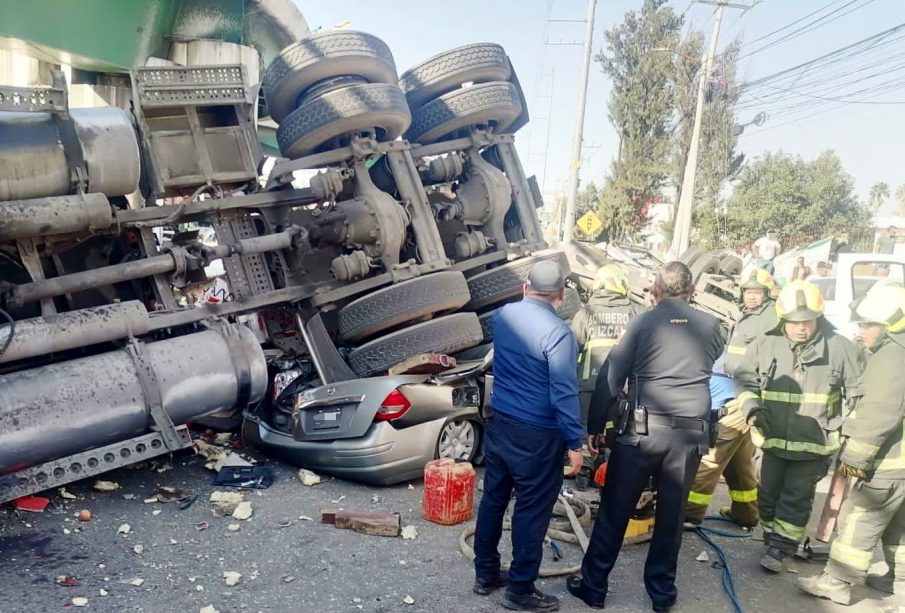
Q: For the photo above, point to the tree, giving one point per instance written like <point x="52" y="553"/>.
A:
<point x="641" y="68"/>
<point x="879" y="193"/>
<point x="900" y="200"/>
<point x="787" y="194"/>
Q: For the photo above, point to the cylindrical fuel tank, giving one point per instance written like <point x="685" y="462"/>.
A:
<point x="57" y="410"/>
<point x="33" y="161"/>
<point x="55" y="215"/>
<point x="43" y="335"/>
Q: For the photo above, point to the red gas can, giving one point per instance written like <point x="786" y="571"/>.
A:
<point x="448" y="492"/>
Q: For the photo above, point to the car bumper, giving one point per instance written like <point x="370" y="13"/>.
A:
<point x="383" y="456"/>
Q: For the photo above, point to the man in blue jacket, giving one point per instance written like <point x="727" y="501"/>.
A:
<point x="536" y="418"/>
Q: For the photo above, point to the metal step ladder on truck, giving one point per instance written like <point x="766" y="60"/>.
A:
<point x="419" y="220"/>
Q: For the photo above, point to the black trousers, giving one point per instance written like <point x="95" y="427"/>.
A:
<point x="671" y="456"/>
<point x="529" y="460"/>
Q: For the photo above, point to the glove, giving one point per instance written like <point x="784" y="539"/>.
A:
<point x="851" y="471"/>
<point x="758" y="419"/>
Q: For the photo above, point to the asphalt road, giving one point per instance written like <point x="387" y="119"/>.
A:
<point x="292" y="564"/>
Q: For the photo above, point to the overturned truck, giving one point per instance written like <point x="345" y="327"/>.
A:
<point x="417" y="221"/>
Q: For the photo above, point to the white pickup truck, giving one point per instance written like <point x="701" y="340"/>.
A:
<point x="853" y="275"/>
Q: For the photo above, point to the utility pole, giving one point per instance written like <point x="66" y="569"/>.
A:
<point x="682" y="228"/>
<point x="575" y="165"/>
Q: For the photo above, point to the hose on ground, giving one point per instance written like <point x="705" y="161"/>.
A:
<point x="559" y="530"/>
<point x="728" y="581"/>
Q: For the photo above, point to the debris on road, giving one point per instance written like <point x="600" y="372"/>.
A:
<point x="106" y="486"/>
<point x="217" y="457"/>
<point x="128" y="496"/>
<point x="231" y="578"/>
<point x="65" y="494"/>
<point x="201" y="525"/>
<point x="156" y="512"/>
<point x="67" y="581"/>
<point x="288" y="579"/>
<point x="234" y="527"/>
<point x="137" y="582"/>
<point x="410" y="533"/>
<point x="84" y="515"/>
<point x="408" y="600"/>
<point x="170" y="494"/>
<point x="124" y="529"/>
<point x="208" y="609"/>
<point x="305" y="518"/>
<point x="243" y="511"/>
<point x="703" y="557"/>
<point x="32" y="504"/>
<point x="375" y="524"/>
<point x="103" y="592"/>
<point x="80" y="602"/>
<point x="338" y="500"/>
<point x="227" y="497"/>
<point x="308" y="478"/>
<point x="256" y="477"/>
<point x="139" y="549"/>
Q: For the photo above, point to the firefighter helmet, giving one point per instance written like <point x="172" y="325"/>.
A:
<point x="883" y="305"/>
<point x="757" y="278"/>
<point x="611" y="278"/>
<point x="799" y="301"/>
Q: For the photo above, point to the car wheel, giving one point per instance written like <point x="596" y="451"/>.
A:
<point x="459" y="440"/>
<point x="705" y="264"/>
<point x="447" y="335"/>
<point x="323" y="56"/>
<point x="479" y="63"/>
<point x="506" y="281"/>
<point x="689" y="256"/>
<point x="397" y="304"/>
<point x="332" y="114"/>
<point x="494" y="103"/>
<point x="730" y="265"/>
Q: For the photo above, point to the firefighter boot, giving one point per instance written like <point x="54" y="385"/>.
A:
<point x="887" y="584"/>
<point x="826" y="586"/>
<point x="772" y="559"/>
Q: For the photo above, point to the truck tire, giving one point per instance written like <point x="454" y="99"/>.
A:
<point x="320" y="57"/>
<point x="567" y="310"/>
<point x="505" y="282"/>
<point x="394" y="305"/>
<point x="706" y="263"/>
<point x="689" y="256"/>
<point x="571" y="304"/>
<point x="331" y="114"/>
<point x="448" y="334"/>
<point x="478" y="63"/>
<point x="494" y="103"/>
<point x="730" y="265"/>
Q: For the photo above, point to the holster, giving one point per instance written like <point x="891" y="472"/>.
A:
<point x="714" y="427"/>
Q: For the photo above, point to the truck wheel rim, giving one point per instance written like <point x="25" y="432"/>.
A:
<point x="457" y="440"/>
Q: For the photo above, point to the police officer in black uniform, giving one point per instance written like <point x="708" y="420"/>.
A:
<point x="666" y="357"/>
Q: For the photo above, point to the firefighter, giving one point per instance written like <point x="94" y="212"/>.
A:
<point x="874" y="454"/>
<point x="758" y="315"/>
<point x="599" y="324"/>
<point x="731" y="457"/>
<point x="733" y="454"/>
<point x="790" y="385"/>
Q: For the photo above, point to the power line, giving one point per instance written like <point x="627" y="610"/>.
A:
<point x="789" y="25"/>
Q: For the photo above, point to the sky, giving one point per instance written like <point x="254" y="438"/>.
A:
<point x="869" y="138"/>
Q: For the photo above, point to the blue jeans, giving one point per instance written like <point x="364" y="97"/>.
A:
<point x="529" y="460"/>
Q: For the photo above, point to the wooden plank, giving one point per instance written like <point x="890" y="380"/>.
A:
<point x="390" y="525"/>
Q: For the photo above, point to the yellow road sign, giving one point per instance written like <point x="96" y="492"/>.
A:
<point x="589" y="223"/>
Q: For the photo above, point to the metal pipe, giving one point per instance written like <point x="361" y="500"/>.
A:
<point x="57" y="410"/>
<point x="138" y="269"/>
<point x="521" y="193"/>
<point x="43" y="335"/>
<point x="89" y="279"/>
<point x="55" y="215"/>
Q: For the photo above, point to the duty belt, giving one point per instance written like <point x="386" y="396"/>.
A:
<point x="672" y="421"/>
